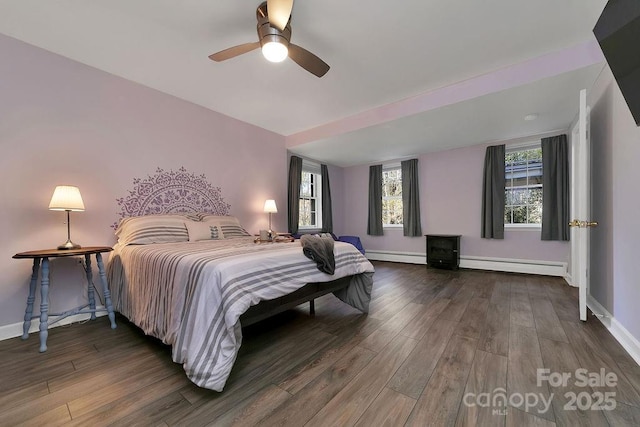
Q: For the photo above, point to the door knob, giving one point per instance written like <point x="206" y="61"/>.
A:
<point x="583" y="224"/>
<point x="574" y="223"/>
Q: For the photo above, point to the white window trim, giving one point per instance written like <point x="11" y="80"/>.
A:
<point x="530" y="227"/>
<point x="315" y="169"/>
<point x="522" y="146"/>
<point x="392" y="225"/>
<point x="386" y="168"/>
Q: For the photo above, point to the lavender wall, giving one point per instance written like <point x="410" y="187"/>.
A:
<point x="62" y="122"/>
<point x="450" y="203"/>
<point x="615" y="139"/>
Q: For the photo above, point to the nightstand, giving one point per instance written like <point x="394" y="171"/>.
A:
<point x="41" y="264"/>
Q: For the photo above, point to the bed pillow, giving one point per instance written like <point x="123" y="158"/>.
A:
<point x="143" y="230"/>
<point x="200" y="216"/>
<point x="232" y="231"/>
<point x="228" y="225"/>
<point x="202" y="231"/>
<point x="196" y="216"/>
<point x="218" y="218"/>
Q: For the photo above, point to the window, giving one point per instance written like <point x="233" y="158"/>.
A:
<point x="310" y="197"/>
<point x="523" y="186"/>
<point x="392" y="197"/>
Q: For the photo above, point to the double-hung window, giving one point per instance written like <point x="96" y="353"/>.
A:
<point x="392" y="196"/>
<point x="310" y="197"/>
<point x="523" y="186"/>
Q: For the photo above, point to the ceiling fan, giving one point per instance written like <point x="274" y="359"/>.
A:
<point x="274" y="33"/>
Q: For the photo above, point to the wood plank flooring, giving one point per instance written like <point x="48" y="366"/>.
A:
<point x="450" y="348"/>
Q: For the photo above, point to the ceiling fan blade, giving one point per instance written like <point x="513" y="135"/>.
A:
<point x="308" y="60"/>
<point x="232" y="52"/>
<point x="279" y="13"/>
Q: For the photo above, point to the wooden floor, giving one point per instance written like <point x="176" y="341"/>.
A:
<point x="438" y="348"/>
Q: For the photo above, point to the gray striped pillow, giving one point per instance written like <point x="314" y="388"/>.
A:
<point x="148" y="229"/>
<point x="232" y="231"/>
<point x="228" y="225"/>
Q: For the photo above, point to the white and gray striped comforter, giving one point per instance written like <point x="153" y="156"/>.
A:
<point x="191" y="295"/>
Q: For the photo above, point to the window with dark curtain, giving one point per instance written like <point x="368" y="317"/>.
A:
<point x="327" y="213"/>
<point x="374" y="224"/>
<point x="493" y="193"/>
<point x="410" y="198"/>
<point x="555" y="188"/>
<point x="295" y="178"/>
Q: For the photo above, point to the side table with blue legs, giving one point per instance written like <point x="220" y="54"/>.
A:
<point x="41" y="265"/>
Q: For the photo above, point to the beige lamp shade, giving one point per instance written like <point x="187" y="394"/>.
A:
<point x="66" y="198"/>
<point x="270" y="206"/>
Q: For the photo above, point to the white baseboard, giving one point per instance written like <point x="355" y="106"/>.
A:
<point x="619" y="332"/>
<point x="545" y="268"/>
<point x="569" y="280"/>
<point x="393" y="256"/>
<point x="15" y="329"/>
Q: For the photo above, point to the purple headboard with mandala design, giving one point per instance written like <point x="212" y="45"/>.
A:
<point x="169" y="192"/>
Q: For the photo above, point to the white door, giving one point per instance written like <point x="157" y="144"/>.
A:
<point x="581" y="203"/>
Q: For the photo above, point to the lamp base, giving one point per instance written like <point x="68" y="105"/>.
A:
<point x="69" y="245"/>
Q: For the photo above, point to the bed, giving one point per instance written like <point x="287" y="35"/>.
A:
<point x="194" y="281"/>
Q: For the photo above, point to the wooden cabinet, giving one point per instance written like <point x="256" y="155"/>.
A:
<point x="443" y="250"/>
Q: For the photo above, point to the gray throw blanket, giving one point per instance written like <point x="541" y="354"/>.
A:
<point x="320" y="250"/>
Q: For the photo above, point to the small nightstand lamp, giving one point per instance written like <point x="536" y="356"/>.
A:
<point x="271" y="208"/>
<point x="67" y="198"/>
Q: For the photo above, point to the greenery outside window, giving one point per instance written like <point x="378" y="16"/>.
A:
<point x="523" y="186"/>
<point x="310" y="198"/>
<point x="392" y="197"/>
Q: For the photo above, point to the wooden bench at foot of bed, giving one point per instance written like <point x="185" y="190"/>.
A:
<point x="308" y="293"/>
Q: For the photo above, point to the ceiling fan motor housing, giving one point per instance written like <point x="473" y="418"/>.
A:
<point x="267" y="33"/>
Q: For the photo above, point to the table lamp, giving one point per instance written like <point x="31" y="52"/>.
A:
<point x="67" y="198"/>
<point x="271" y="208"/>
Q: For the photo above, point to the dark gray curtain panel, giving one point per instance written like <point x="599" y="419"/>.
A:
<point x="410" y="198"/>
<point x="327" y="212"/>
<point x="493" y="193"/>
<point x="374" y="225"/>
<point x="555" y="188"/>
<point x="295" y="179"/>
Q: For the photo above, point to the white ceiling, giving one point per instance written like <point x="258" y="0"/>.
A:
<point x="391" y="65"/>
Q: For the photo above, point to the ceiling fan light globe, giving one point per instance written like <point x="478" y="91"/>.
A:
<point x="275" y="51"/>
